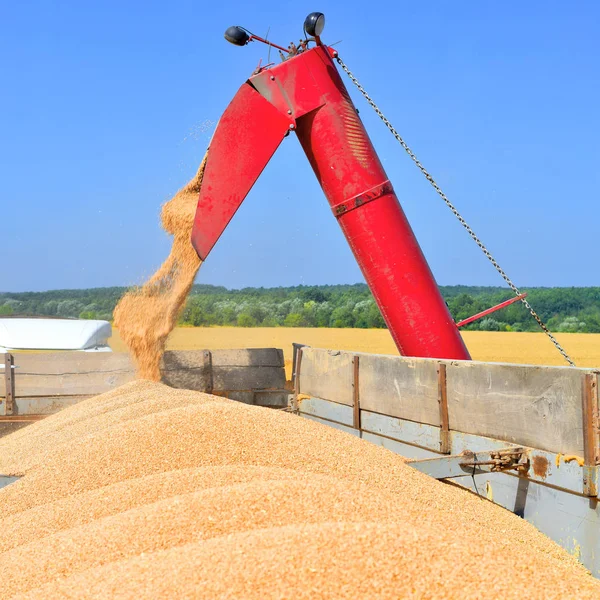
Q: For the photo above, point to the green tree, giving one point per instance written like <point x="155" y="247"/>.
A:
<point x="342" y="317"/>
<point x="69" y="308"/>
<point x="258" y="312"/>
<point x="293" y="320"/>
<point x="88" y="314"/>
<point x="489" y="324"/>
<point x="315" y="294"/>
<point x="246" y="320"/>
<point x="309" y="314"/>
<point x="564" y="309"/>
<point x="571" y="325"/>
<point x="270" y="321"/>
<point x="374" y="318"/>
<point x="323" y="314"/>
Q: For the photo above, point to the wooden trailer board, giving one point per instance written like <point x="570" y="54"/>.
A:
<point x="35" y="385"/>
<point x="525" y="437"/>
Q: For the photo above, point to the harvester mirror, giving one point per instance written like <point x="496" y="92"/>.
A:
<point x="236" y="35"/>
<point x="314" y="24"/>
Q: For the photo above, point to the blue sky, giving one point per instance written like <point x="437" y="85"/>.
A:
<point x="104" y="111"/>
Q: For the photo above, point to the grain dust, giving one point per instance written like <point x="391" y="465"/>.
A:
<point x="201" y="497"/>
<point x="146" y="316"/>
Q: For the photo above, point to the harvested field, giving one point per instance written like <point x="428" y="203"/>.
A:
<point x="522" y="348"/>
<point x="151" y="492"/>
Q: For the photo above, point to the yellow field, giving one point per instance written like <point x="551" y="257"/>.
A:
<point x="525" y="348"/>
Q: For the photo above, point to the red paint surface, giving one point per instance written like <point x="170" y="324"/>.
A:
<point x="246" y="137"/>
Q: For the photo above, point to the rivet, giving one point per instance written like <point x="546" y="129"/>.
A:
<point x="272" y="77"/>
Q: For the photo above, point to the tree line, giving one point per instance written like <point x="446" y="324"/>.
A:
<point x="563" y="309"/>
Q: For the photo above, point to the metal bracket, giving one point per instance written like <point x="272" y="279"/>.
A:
<point x="295" y="349"/>
<point x="297" y="366"/>
<point x="501" y="460"/>
<point x="355" y="393"/>
<point x="445" y="440"/>
<point x="9" y="384"/>
<point x="591" y="439"/>
<point x="207" y="355"/>
<point x="470" y="463"/>
<point x="364" y="198"/>
<point x="491" y="310"/>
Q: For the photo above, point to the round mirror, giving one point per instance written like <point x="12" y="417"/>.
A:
<point x="236" y="35"/>
<point x="314" y="24"/>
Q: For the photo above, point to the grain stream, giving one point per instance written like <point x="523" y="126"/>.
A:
<point x="146" y="315"/>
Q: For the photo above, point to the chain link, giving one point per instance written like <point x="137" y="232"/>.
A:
<point x="454" y="210"/>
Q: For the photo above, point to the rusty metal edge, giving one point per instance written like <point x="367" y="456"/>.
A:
<point x="208" y="366"/>
<point x="9" y="382"/>
<point x="296" y="376"/>
<point x="590" y="433"/>
<point x="21" y="418"/>
<point x="295" y="347"/>
<point x="356" y="393"/>
<point x="445" y="440"/>
<point x="341" y="208"/>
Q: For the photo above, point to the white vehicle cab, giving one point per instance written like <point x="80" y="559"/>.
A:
<point x="33" y="333"/>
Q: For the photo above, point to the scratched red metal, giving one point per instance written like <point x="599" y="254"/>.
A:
<point x="246" y="137"/>
<point x="309" y="90"/>
<point x="363" y="198"/>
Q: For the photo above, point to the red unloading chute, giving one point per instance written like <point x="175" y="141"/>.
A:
<point x="306" y="95"/>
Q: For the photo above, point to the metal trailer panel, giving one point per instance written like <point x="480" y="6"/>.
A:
<point x="559" y="470"/>
<point x="536" y="406"/>
<point x="571" y="520"/>
<point x="402" y="448"/>
<point x="7" y="480"/>
<point x="332" y="411"/>
<point x="420" y="434"/>
<point x="339" y="426"/>
<point x="43" y="384"/>
<point x="551" y="497"/>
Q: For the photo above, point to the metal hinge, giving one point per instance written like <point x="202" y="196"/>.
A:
<point x="473" y="463"/>
<point x="509" y="459"/>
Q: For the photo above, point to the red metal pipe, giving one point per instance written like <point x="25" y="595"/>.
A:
<point x="374" y="224"/>
<point x="306" y="93"/>
<point x="488" y="311"/>
<point x="259" y="39"/>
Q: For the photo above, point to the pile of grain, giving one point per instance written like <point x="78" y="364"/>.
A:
<point x="145" y="316"/>
<point x="201" y="497"/>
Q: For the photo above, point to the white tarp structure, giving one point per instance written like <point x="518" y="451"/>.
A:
<point x="54" y="334"/>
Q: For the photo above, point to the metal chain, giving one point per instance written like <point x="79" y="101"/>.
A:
<point x="451" y="206"/>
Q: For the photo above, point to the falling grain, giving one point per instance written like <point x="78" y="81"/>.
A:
<point x="146" y="316"/>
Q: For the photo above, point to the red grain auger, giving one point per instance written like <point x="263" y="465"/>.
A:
<point x="305" y="94"/>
